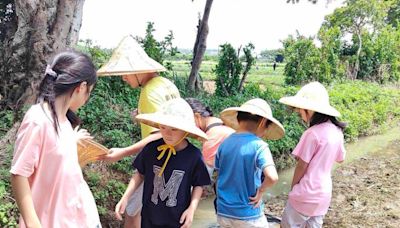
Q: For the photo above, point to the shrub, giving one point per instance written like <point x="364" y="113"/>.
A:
<point x="228" y="71"/>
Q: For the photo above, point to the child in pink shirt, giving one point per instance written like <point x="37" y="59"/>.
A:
<point x="320" y="146"/>
<point x="46" y="178"/>
<point x="214" y="128"/>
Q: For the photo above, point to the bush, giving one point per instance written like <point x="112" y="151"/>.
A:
<point x="302" y="61"/>
<point x="8" y="208"/>
<point x="367" y="107"/>
<point x="7" y="117"/>
<point x="228" y="71"/>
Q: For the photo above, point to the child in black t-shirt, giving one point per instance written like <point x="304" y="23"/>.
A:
<point x="169" y="167"/>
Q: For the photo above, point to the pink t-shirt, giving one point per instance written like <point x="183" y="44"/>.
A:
<point x="320" y="146"/>
<point x="60" y="195"/>
<point x="215" y="137"/>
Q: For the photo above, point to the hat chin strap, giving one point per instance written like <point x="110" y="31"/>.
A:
<point x="260" y="124"/>
<point x="171" y="150"/>
<point x="140" y="85"/>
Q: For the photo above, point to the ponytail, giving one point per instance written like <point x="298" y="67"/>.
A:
<point x="46" y="93"/>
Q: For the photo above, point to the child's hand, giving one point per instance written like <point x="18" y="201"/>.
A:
<point x="187" y="217"/>
<point x="257" y="199"/>
<point x="82" y="134"/>
<point x="113" y="155"/>
<point x="134" y="113"/>
<point x="120" y="208"/>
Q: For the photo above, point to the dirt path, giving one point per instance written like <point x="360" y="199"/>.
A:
<point x="366" y="192"/>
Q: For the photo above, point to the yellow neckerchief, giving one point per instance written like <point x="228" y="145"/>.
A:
<point x="171" y="150"/>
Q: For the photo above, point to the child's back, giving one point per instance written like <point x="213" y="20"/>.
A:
<point x="320" y="146"/>
<point x="240" y="161"/>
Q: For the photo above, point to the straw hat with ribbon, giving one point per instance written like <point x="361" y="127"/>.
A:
<point x="175" y="113"/>
<point x="257" y="107"/>
<point x="129" y="58"/>
<point x="313" y="96"/>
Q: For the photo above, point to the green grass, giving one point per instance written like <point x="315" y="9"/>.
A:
<point x="262" y="73"/>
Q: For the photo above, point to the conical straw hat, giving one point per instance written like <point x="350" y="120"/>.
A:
<point x="257" y="107"/>
<point x="129" y="58"/>
<point x="313" y="96"/>
<point x="90" y="151"/>
<point x="175" y="113"/>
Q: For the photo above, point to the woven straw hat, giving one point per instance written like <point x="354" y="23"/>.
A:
<point x="258" y="107"/>
<point x="90" y="151"/>
<point x="175" y="113"/>
<point x="313" y="96"/>
<point x="129" y="58"/>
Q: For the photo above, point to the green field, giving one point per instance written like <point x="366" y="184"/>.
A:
<point x="261" y="73"/>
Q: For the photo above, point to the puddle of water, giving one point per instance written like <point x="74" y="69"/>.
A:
<point x="205" y="216"/>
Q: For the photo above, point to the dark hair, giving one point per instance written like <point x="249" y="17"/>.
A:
<point x="245" y="116"/>
<point x="199" y="107"/>
<point x="319" y="118"/>
<point x="63" y="74"/>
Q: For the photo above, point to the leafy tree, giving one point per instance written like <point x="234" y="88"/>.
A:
<point x="380" y="58"/>
<point x="302" y="60"/>
<point x="232" y="69"/>
<point x="228" y="71"/>
<point x="158" y="50"/>
<point x="355" y="17"/>
<point x="331" y="47"/>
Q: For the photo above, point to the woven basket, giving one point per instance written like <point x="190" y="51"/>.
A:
<point x="90" y="151"/>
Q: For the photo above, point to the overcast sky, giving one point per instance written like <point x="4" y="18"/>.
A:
<point x="263" y="22"/>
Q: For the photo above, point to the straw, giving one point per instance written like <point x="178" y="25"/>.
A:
<point x="90" y="151"/>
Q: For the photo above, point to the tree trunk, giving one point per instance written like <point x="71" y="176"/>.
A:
<point x="357" y="64"/>
<point x="199" y="48"/>
<point x="38" y="29"/>
<point x="241" y="85"/>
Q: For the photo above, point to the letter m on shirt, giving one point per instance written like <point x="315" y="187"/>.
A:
<point x="169" y="190"/>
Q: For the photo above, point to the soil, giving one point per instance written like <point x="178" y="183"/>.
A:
<point x="366" y="192"/>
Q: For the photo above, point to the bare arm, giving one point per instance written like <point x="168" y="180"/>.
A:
<point x="270" y="178"/>
<point x="135" y="182"/>
<point x="23" y="196"/>
<point x="117" y="154"/>
<point x="299" y="172"/>
<point x="187" y="215"/>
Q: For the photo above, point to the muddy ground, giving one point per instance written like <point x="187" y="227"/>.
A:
<point x="366" y="192"/>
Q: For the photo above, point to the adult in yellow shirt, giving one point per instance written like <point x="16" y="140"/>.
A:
<point x="137" y="69"/>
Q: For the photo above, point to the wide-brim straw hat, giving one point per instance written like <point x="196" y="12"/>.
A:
<point x="129" y="58"/>
<point x="312" y="96"/>
<point x="175" y="113"/>
<point x="257" y="107"/>
<point x="90" y="151"/>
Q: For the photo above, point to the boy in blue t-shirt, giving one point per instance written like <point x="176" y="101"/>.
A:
<point x="169" y="168"/>
<point x="240" y="161"/>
